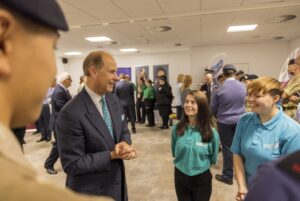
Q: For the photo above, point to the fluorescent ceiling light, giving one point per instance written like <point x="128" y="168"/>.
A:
<point x="249" y="27"/>
<point x="98" y="39"/>
<point x="129" y="50"/>
<point x="73" y="53"/>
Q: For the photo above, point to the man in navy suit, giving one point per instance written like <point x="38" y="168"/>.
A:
<point x="60" y="97"/>
<point x="125" y="91"/>
<point x="93" y="137"/>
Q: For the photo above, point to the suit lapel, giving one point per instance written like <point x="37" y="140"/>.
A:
<point x="95" y="118"/>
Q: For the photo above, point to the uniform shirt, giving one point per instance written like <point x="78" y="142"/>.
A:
<point x="149" y="93"/>
<point x="19" y="180"/>
<point x="192" y="156"/>
<point x="228" y="101"/>
<point x="259" y="142"/>
<point x="293" y="86"/>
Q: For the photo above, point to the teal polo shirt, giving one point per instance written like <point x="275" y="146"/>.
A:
<point x="191" y="155"/>
<point x="258" y="142"/>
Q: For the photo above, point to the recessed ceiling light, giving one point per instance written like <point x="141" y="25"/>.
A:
<point x="73" y="53"/>
<point x="129" y="50"/>
<point x="240" y="28"/>
<point x="98" y="39"/>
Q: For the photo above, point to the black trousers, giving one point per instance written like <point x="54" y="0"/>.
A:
<point x="129" y="111"/>
<point x="149" y="105"/>
<point x="53" y="156"/>
<point x="193" y="188"/>
<point x="179" y="112"/>
<point x="20" y="134"/>
<point x="44" y="121"/>
<point x="140" y="106"/>
<point x="226" y="133"/>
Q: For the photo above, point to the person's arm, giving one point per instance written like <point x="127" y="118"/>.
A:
<point x="215" y="147"/>
<point x="239" y="170"/>
<point x="72" y="147"/>
<point x="238" y="161"/>
<point x="173" y="140"/>
<point x="60" y="100"/>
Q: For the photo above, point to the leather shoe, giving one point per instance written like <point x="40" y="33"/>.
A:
<point x="220" y="178"/>
<point x="35" y="132"/>
<point x="41" y="140"/>
<point x="164" y="127"/>
<point x="51" y="170"/>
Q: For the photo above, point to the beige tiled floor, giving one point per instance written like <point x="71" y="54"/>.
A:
<point x="149" y="177"/>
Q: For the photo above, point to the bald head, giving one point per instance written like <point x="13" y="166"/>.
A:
<point x="208" y="78"/>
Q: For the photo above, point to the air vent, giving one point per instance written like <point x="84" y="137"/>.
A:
<point x="278" y="37"/>
<point x="106" y="43"/>
<point x="281" y="19"/>
<point x="177" y="44"/>
<point x="285" y="18"/>
<point x="160" y="29"/>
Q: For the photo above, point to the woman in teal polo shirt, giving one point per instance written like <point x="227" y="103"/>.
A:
<point x="195" y="146"/>
<point x="264" y="134"/>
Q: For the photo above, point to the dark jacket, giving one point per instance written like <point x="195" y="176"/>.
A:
<point x="164" y="95"/>
<point x="59" y="98"/>
<point x="84" y="144"/>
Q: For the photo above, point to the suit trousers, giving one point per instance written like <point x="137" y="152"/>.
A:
<point x="44" y="121"/>
<point x="193" y="188"/>
<point x="226" y="132"/>
<point x="53" y="156"/>
<point x="129" y="111"/>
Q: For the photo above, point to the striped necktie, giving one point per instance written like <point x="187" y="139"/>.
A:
<point x="106" y="116"/>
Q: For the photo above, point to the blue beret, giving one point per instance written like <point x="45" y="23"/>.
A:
<point x="229" y="67"/>
<point x="45" y="12"/>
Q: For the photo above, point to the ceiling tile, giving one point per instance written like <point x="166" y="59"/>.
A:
<point x="179" y="6"/>
<point x="219" y="4"/>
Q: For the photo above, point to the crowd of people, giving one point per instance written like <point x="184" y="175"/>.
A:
<point x="253" y="118"/>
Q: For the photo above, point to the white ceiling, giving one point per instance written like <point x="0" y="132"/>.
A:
<point x="194" y="23"/>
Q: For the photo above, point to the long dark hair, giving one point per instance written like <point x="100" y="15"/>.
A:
<point x="204" y="117"/>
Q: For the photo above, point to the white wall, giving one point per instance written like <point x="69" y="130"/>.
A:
<point x="262" y="59"/>
<point x="294" y="44"/>
<point x="179" y="62"/>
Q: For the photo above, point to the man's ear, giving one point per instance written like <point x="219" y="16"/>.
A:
<point x="7" y="23"/>
<point x="92" y="71"/>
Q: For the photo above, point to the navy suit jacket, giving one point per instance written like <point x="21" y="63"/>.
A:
<point x="84" y="144"/>
<point x="59" y="98"/>
<point x="125" y="91"/>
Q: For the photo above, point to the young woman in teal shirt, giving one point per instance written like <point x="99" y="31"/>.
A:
<point x="263" y="135"/>
<point x="195" y="146"/>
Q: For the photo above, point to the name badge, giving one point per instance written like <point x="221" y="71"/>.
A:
<point x="271" y="146"/>
<point x="201" y="144"/>
<point x="122" y="117"/>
